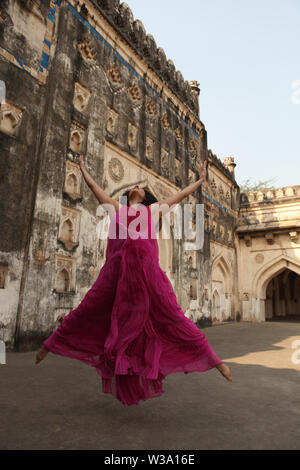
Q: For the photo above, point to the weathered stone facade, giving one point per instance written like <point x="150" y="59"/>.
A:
<point x="268" y="240"/>
<point x="84" y="77"/>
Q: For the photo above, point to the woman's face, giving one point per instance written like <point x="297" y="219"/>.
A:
<point x="137" y="191"/>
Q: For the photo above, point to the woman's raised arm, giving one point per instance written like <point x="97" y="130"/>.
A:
<point x="177" y="198"/>
<point x="101" y="195"/>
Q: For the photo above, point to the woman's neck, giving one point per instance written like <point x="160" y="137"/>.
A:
<point x="135" y="203"/>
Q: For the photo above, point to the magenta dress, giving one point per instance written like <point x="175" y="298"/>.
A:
<point x="129" y="326"/>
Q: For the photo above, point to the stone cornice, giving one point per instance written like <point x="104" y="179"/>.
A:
<point x="270" y="196"/>
<point x="120" y="17"/>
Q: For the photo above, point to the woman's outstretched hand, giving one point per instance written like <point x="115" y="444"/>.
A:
<point x="202" y="172"/>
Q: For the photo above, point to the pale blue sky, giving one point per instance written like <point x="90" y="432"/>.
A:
<point x="245" y="54"/>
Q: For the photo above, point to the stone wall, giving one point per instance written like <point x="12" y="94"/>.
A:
<point x="86" y="78"/>
<point x="268" y="240"/>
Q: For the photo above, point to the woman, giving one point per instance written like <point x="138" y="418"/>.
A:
<point x="129" y="326"/>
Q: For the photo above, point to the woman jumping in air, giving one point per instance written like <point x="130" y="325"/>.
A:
<point x="129" y="325"/>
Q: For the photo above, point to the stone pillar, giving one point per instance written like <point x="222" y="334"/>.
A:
<point x="196" y="93"/>
<point x="229" y="163"/>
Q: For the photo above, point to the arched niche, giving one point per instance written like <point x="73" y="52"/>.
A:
<point x="76" y="140"/>
<point x="222" y="284"/>
<point x="63" y="281"/>
<point x="67" y="230"/>
<point x="72" y="184"/>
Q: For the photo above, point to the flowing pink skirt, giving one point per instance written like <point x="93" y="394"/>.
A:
<point x="130" y="327"/>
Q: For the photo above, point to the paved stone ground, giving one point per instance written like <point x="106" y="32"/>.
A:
<point x="59" y="403"/>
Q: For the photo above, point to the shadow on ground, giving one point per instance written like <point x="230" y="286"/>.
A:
<point x="59" y="403"/>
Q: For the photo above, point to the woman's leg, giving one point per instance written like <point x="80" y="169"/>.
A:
<point x="225" y="371"/>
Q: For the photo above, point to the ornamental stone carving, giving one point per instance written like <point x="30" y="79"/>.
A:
<point x="81" y="97"/>
<point x="10" y="117"/>
<point x="165" y="121"/>
<point x="87" y="51"/>
<point x="115" y="170"/>
<point x="111" y="122"/>
<point x="69" y="227"/>
<point x="151" y="109"/>
<point x="132" y="136"/>
<point x="65" y="274"/>
<point x="77" y="137"/>
<point x="73" y="179"/>
<point x="164" y="159"/>
<point x="259" y="258"/>
<point x="134" y="92"/>
<point x="149" y="148"/>
<point x="114" y="76"/>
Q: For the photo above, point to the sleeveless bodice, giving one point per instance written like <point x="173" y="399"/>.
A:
<point x="132" y="227"/>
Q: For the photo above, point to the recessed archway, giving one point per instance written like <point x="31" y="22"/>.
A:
<point x="283" y="297"/>
<point x="263" y="291"/>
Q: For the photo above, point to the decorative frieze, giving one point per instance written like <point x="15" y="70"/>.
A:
<point x="192" y="145"/>
<point x="165" y="122"/>
<point x="268" y="195"/>
<point x="134" y="92"/>
<point x="114" y="76"/>
<point x="213" y="185"/>
<point x="151" y="109"/>
<point x="87" y="51"/>
<point x="178" y="134"/>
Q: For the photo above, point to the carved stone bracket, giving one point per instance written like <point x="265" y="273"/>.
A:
<point x="10" y="117"/>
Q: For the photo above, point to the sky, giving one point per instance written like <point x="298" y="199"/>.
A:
<point x="245" y="55"/>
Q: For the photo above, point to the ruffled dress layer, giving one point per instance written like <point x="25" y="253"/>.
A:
<point x="129" y="325"/>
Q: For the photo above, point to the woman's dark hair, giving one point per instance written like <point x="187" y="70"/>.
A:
<point x="148" y="200"/>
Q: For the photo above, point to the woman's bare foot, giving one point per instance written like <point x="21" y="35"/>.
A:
<point x="225" y="371"/>
<point x="40" y="355"/>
